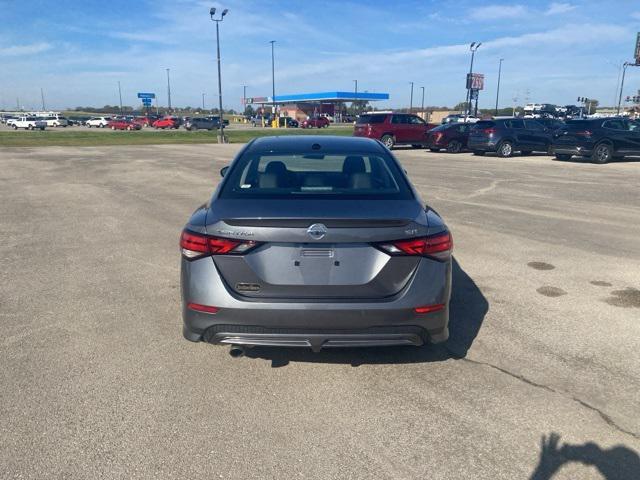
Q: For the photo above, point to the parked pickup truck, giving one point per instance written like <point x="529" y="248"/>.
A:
<point x="29" y="123"/>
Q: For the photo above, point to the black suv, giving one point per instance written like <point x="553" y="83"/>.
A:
<point x="203" y="123"/>
<point x="601" y="139"/>
<point x="508" y="135"/>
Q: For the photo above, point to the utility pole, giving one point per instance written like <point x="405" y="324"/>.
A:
<point x="119" y="95"/>
<point x="42" y="96"/>
<point x="624" y="71"/>
<point x="498" y="90"/>
<point x="212" y="12"/>
<point x="244" y="98"/>
<point x="411" y="99"/>
<point x="169" y="90"/>
<point x="422" y="105"/>
<point x="203" y="101"/>
<point x="356" y="97"/>
<point x="273" y="83"/>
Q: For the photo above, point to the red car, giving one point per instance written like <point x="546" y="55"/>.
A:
<point x="122" y="124"/>
<point x="315" y="122"/>
<point x="143" y="121"/>
<point x="393" y="128"/>
<point x="451" y="136"/>
<point x="166" y="122"/>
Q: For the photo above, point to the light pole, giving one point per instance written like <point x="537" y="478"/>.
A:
<point x="273" y="83"/>
<point x="422" y="104"/>
<point x="244" y="98"/>
<point x="473" y="47"/>
<point x="119" y="95"/>
<point x="42" y="96"/>
<point x="212" y="13"/>
<point x="624" y="71"/>
<point x="498" y="90"/>
<point x="356" y="96"/>
<point x="411" y="99"/>
<point x="168" y="90"/>
<point x="203" y="102"/>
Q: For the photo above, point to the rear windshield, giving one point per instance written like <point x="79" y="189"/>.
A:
<point x="313" y="175"/>
<point x="377" y="118"/>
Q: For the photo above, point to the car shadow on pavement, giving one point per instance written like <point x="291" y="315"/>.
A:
<point x="467" y="310"/>
<point x="616" y="463"/>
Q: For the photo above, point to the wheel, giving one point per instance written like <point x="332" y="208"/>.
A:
<point x="388" y="141"/>
<point x="454" y="146"/>
<point x="112" y="127"/>
<point x="526" y="152"/>
<point x="505" y="149"/>
<point x="15" y="127"/>
<point x="479" y="153"/>
<point x="88" y="126"/>
<point x="602" y="153"/>
<point x="102" y="125"/>
<point x="563" y="156"/>
<point x="30" y="127"/>
<point x="129" y="127"/>
<point x="434" y="150"/>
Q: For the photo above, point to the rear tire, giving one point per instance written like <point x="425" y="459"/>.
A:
<point x="388" y="141"/>
<point x="479" y="153"/>
<point x="602" y="154"/>
<point x="505" y="149"/>
<point x="434" y="150"/>
<point x="563" y="156"/>
<point x="454" y="146"/>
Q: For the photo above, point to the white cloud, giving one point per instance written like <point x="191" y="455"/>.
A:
<point x="20" y="50"/>
<point x="559" y="8"/>
<point x="494" y="12"/>
<point x="636" y="15"/>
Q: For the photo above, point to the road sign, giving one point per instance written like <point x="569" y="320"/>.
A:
<point x="146" y="95"/>
<point x="637" y="53"/>
<point x="146" y="102"/>
<point x="475" y="81"/>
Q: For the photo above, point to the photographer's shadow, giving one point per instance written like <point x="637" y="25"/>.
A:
<point x="467" y="310"/>
<point x="616" y="463"/>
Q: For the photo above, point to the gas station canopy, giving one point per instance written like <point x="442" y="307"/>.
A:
<point x="320" y="97"/>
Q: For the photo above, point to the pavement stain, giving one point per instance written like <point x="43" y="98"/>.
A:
<point x="553" y="292"/>
<point x="600" y="283"/>
<point x="541" y="265"/>
<point x="627" y="298"/>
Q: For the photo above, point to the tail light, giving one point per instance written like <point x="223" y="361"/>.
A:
<point x="437" y="136"/>
<point x="437" y="246"/>
<point x="429" y="308"/>
<point x="197" y="245"/>
<point x="205" y="308"/>
<point x="489" y="131"/>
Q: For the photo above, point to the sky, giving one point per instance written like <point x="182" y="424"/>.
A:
<point x="77" y="51"/>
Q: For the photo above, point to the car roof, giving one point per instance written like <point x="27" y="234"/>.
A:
<point x="327" y="143"/>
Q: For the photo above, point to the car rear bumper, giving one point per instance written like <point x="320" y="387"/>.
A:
<point x="316" y="324"/>
<point x="571" y="150"/>
<point x="488" y="145"/>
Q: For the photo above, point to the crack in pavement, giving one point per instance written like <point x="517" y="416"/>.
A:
<point x="607" y="419"/>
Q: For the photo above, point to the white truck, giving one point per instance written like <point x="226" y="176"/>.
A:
<point x="29" y="123"/>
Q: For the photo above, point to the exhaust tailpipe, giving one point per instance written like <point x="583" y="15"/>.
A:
<point x="236" y="351"/>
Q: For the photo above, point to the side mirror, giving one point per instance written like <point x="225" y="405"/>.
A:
<point x="223" y="171"/>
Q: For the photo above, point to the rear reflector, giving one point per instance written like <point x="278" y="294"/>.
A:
<point x="202" y="308"/>
<point x="196" y="245"/>
<point x="438" y="246"/>
<point x="429" y="308"/>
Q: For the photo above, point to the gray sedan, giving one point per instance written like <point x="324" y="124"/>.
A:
<point x="315" y="241"/>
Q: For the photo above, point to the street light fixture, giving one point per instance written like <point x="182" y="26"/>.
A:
<point x="273" y="84"/>
<point x="498" y="90"/>
<point x="473" y="47"/>
<point x="411" y="99"/>
<point x="212" y="13"/>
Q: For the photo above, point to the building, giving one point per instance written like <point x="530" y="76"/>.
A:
<point x="303" y="105"/>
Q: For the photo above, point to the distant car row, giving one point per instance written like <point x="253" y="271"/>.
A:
<point x="598" y="139"/>
<point x="321" y="121"/>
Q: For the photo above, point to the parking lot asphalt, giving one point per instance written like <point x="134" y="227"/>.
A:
<point x="97" y="382"/>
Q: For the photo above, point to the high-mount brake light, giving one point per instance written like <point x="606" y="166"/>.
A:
<point x="197" y="245"/>
<point x="438" y="246"/>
